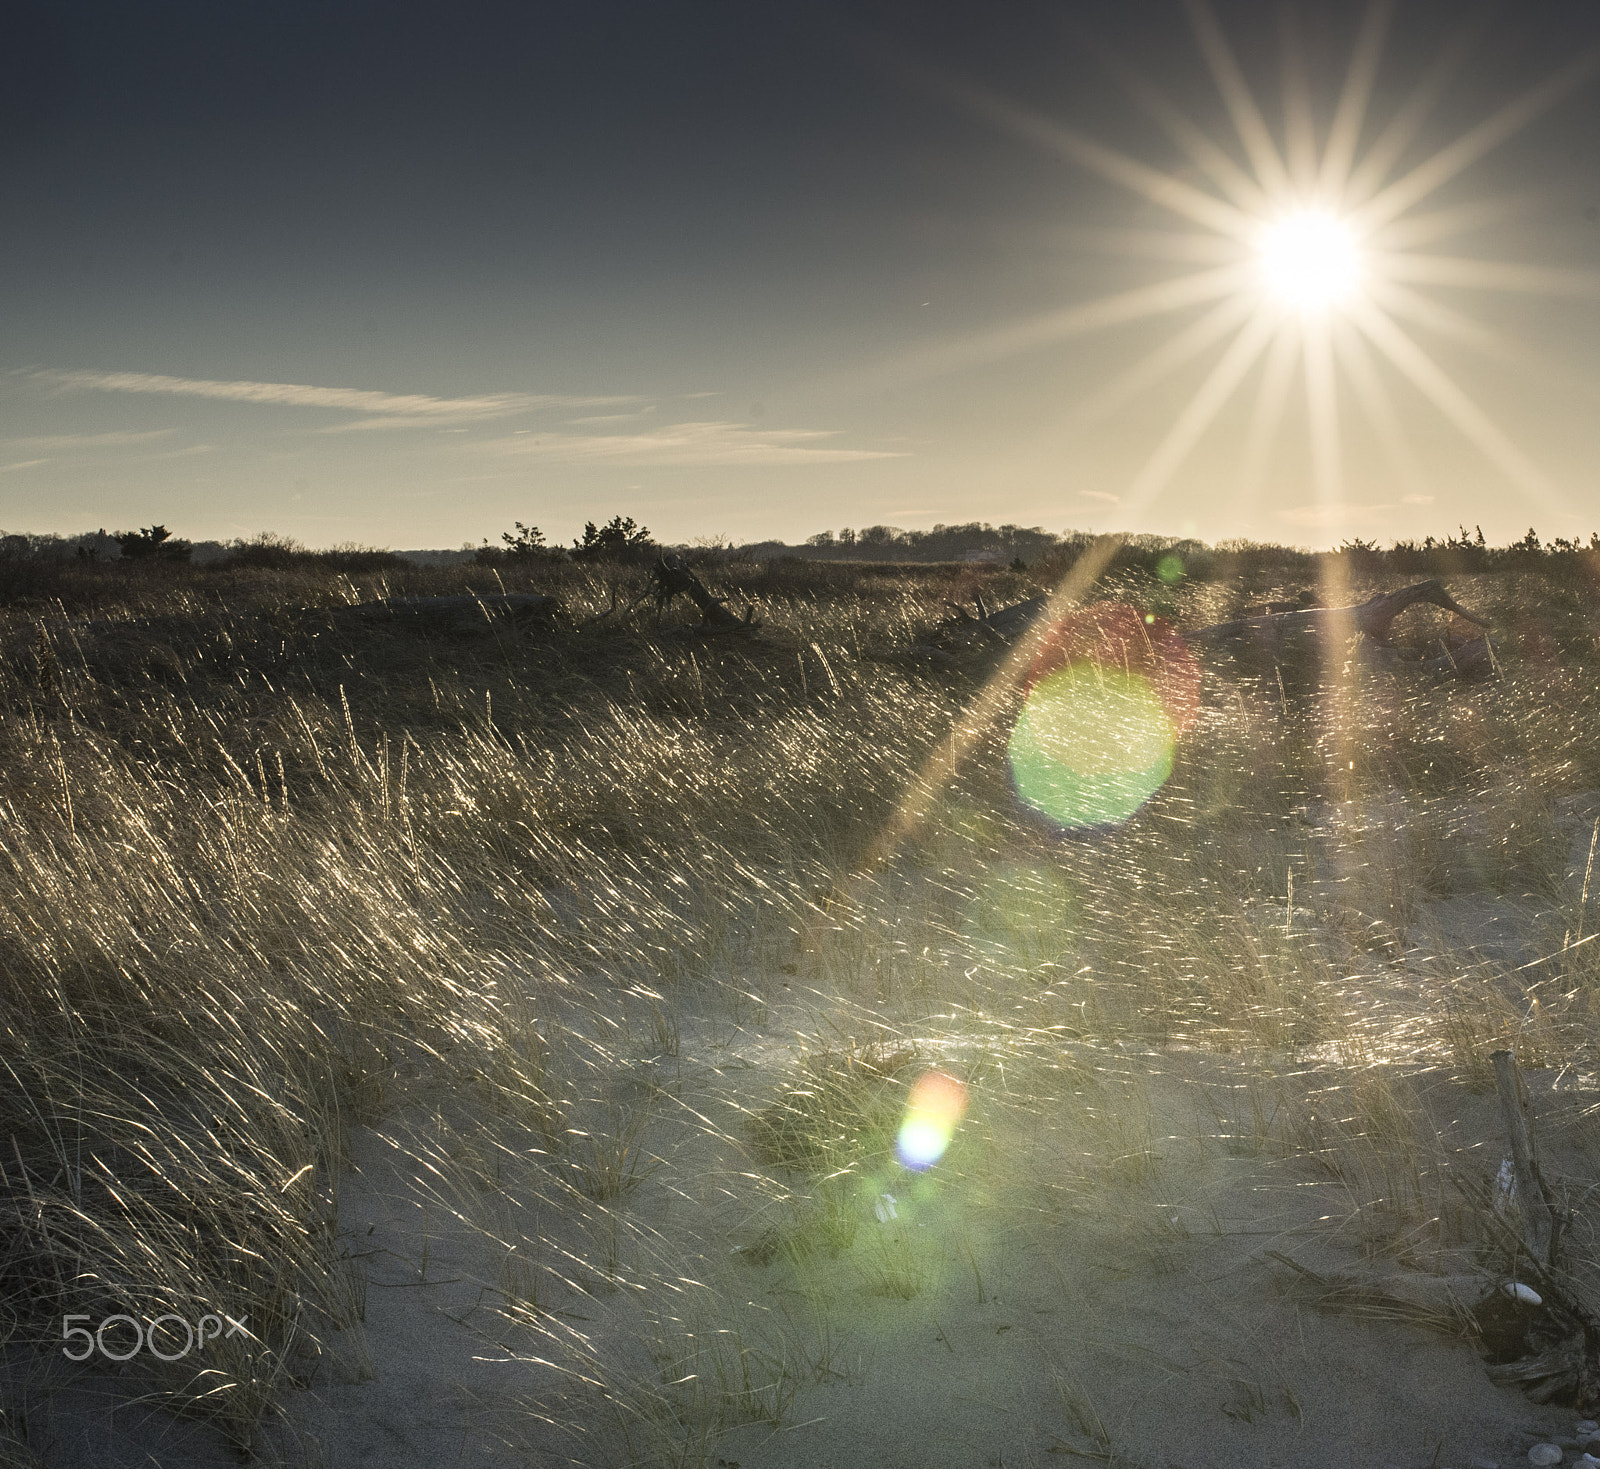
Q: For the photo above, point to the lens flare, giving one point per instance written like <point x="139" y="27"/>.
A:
<point x="932" y="1115"/>
<point x="1091" y="746"/>
<point x="1107" y="698"/>
<point x="1023" y="913"/>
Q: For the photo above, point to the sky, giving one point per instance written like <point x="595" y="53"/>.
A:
<point x="400" y="275"/>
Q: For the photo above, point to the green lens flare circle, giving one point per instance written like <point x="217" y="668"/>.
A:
<point x="1091" y="745"/>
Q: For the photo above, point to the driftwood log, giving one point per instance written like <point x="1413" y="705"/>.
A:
<point x="671" y="578"/>
<point x="1532" y="1202"/>
<point x="964" y="636"/>
<point x="1544" y="1340"/>
<point x="1536" y="1331"/>
<point x="972" y="635"/>
<point x="1003" y="624"/>
<point x="1373" y="619"/>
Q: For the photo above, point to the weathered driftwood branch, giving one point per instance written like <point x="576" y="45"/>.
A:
<point x="1545" y="1341"/>
<point x="1373" y="619"/>
<point x="1004" y="623"/>
<point x="671" y="578"/>
<point x="964" y="635"/>
<point x="1538" y="1222"/>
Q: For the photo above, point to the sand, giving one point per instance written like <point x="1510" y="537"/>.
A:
<point x="1093" y="1273"/>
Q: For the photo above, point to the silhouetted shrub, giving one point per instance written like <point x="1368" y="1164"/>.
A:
<point x="524" y="547"/>
<point x="619" y="539"/>
<point x="269" y="551"/>
<point x="153" y="543"/>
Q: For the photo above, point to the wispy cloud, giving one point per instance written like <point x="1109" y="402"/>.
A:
<point x="1097" y="495"/>
<point x="22" y="464"/>
<point x="690" y="444"/>
<point x="614" y="417"/>
<point x="406" y="420"/>
<point x="389" y="410"/>
<point x="697" y="443"/>
<point x="72" y="443"/>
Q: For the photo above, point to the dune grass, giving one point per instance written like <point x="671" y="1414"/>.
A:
<point x="270" y="876"/>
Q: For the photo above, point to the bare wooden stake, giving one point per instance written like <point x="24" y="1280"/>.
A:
<point x="1538" y="1225"/>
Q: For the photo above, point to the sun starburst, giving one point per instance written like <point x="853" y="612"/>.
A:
<point x="1312" y="256"/>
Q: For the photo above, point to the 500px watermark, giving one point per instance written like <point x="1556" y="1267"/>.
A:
<point x="160" y="1337"/>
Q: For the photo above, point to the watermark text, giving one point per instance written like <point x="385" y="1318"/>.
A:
<point x="169" y="1337"/>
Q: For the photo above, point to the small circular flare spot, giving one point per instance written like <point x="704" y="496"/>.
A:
<point x="933" y="1112"/>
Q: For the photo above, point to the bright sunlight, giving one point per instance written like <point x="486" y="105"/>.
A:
<point x="1347" y="270"/>
<point x="1310" y="261"/>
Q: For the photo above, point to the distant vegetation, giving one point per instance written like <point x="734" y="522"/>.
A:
<point x="620" y="539"/>
<point x="976" y="541"/>
<point x="76" y="567"/>
<point x="154" y="543"/>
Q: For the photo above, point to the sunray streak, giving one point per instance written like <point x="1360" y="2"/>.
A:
<point x="1322" y="413"/>
<point x="1408" y="305"/>
<point x="1051" y="327"/>
<point x="1213" y="161"/>
<point x="1299" y="128"/>
<point x="1163" y="361"/>
<point x="1444" y="224"/>
<point x="983" y="712"/>
<point x="1485" y="275"/>
<point x="1442" y="391"/>
<point x="1378" y="408"/>
<point x="1266" y="417"/>
<point x="1247" y="120"/>
<point x="1344" y="133"/>
<point x="1475" y="142"/>
<point x="1375" y="165"/>
<point x="1186" y="245"/>
<point x="1197" y="415"/>
<point x="1160" y="188"/>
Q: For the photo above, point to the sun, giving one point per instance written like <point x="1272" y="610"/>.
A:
<point x="1308" y="253"/>
<point x="1310" y="260"/>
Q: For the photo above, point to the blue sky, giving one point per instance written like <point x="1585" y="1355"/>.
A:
<point x="401" y="274"/>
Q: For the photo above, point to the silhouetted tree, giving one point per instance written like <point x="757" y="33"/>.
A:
<point x="528" y="540"/>
<point x="619" y="539"/>
<point x="524" y="544"/>
<point x="154" y="543"/>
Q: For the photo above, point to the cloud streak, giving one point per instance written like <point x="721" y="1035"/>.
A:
<point x="700" y="443"/>
<point x="71" y="443"/>
<point x="711" y="443"/>
<point x="392" y="410"/>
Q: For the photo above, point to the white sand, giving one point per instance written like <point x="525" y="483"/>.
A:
<point x="1091" y="1284"/>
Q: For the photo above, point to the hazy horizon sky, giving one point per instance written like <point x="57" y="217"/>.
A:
<point x="402" y="274"/>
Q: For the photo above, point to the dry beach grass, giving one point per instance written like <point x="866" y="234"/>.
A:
<point x="504" y="1021"/>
